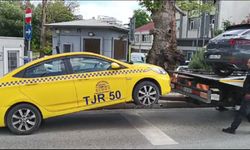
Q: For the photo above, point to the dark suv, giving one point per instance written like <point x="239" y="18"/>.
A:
<point x="230" y="50"/>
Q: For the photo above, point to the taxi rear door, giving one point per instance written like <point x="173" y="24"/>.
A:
<point x="96" y="84"/>
<point x="48" y="84"/>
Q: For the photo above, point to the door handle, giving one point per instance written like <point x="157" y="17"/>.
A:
<point x="82" y="79"/>
<point x="30" y="84"/>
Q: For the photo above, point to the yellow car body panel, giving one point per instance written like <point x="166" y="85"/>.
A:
<point x="64" y="94"/>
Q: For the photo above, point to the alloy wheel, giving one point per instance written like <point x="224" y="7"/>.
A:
<point x="23" y="119"/>
<point x="147" y="95"/>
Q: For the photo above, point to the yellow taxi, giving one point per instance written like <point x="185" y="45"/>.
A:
<point x="71" y="82"/>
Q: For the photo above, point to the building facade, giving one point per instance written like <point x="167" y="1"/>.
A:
<point x="11" y="53"/>
<point x="142" y="39"/>
<point x="90" y="36"/>
<point x="234" y="11"/>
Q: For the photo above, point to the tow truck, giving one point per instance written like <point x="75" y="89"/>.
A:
<point x="209" y="88"/>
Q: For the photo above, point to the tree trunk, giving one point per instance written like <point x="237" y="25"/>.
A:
<point x="164" y="49"/>
<point x="42" y="37"/>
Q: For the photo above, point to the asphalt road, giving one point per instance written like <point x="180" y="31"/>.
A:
<point x="134" y="128"/>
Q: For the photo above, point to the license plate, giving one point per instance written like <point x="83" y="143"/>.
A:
<point x="214" y="56"/>
<point x="215" y="97"/>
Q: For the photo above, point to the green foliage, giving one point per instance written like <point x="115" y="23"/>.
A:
<point x="141" y="17"/>
<point x="58" y="12"/>
<point x="47" y="49"/>
<point x="226" y="24"/>
<point x="195" y="7"/>
<point x="217" y="32"/>
<point x="11" y="16"/>
<point x="36" y="25"/>
<point x="152" y="5"/>
<point x="198" y="61"/>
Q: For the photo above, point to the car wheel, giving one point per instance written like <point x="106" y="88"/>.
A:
<point x="23" y="119"/>
<point x="146" y="93"/>
<point x="223" y="72"/>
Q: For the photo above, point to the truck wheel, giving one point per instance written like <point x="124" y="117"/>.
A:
<point x="223" y="72"/>
<point x="23" y="119"/>
<point x="146" y="93"/>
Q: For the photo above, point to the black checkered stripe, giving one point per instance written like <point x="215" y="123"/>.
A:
<point x="70" y="77"/>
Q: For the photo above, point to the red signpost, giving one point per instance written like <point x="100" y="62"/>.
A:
<point x="28" y="15"/>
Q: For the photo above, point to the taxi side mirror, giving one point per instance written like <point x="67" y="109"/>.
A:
<point x="115" y="66"/>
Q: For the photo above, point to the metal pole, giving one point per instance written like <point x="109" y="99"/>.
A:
<point x="29" y="52"/>
<point x="204" y="27"/>
<point x="25" y="47"/>
<point x="129" y="52"/>
<point x="29" y="45"/>
<point x="199" y="28"/>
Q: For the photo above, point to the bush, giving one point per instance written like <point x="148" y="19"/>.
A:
<point x="198" y="62"/>
<point x="217" y="32"/>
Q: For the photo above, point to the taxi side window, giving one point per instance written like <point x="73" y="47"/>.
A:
<point x="88" y="64"/>
<point x="49" y="68"/>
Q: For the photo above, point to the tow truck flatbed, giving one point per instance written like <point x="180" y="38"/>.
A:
<point x="208" y="88"/>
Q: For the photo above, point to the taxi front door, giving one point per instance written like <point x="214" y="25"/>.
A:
<point x="97" y="85"/>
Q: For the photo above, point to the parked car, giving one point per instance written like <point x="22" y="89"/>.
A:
<point x="183" y="66"/>
<point x="230" y="50"/>
<point x="138" y="57"/>
<point x="71" y="82"/>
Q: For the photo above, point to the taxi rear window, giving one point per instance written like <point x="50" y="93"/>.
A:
<point x="50" y="68"/>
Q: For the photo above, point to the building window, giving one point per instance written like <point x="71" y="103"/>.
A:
<point x="144" y="51"/>
<point x="212" y="19"/>
<point x="67" y="48"/>
<point x="134" y="50"/>
<point x="189" y="56"/>
<point x="137" y="38"/>
<point x="12" y="60"/>
<point x="146" y="38"/>
<point x="177" y="24"/>
<point x="194" y="23"/>
<point x="66" y="31"/>
<point x="78" y="30"/>
<point x="191" y="24"/>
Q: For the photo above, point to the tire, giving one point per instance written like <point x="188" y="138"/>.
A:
<point x="223" y="72"/>
<point x="146" y="93"/>
<point x="23" y="119"/>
